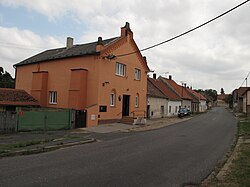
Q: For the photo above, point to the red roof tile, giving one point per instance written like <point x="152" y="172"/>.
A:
<point x="165" y="89"/>
<point x="196" y="94"/>
<point x="182" y="92"/>
<point x="152" y="89"/>
<point x="16" y="97"/>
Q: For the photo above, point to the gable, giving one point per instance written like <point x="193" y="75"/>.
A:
<point x="116" y="46"/>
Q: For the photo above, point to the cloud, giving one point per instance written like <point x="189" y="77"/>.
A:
<point x="17" y="45"/>
<point x="216" y="55"/>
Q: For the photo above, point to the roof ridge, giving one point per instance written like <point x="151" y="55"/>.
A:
<point x="150" y="79"/>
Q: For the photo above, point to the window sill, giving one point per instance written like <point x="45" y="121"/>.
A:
<point x="53" y="103"/>
<point x="120" y="75"/>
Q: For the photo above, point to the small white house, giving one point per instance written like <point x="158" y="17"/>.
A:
<point x="162" y="101"/>
<point x="157" y="104"/>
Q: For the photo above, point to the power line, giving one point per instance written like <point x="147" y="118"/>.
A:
<point x="184" y="33"/>
<point x="245" y="79"/>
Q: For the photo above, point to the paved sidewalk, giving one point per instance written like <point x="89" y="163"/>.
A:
<point x="120" y="127"/>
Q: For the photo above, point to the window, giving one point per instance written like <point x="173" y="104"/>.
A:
<point x="176" y="109"/>
<point x="52" y="97"/>
<point x="120" y="69"/>
<point x="112" y="99"/>
<point x="137" y="74"/>
<point x="169" y="110"/>
<point x="162" y="110"/>
<point x="137" y="100"/>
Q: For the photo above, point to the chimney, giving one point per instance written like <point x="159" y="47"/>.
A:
<point x="154" y="76"/>
<point x="125" y="31"/>
<point x="69" y="43"/>
<point x="185" y="85"/>
<point x="145" y="59"/>
<point x="99" y="45"/>
<point x="170" y="77"/>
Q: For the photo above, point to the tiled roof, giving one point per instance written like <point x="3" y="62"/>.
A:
<point x="16" y="97"/>
<point x="242" y="90"/>
<point x="152" y="89"/>
<point x="181" y="91"/>
<point x="222" y="96"/>
<point x="59" y="53"/>
<point x="196" y="94"/>
<point x="165" y="89"/>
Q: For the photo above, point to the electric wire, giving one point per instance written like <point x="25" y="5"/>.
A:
<point x="184" y="33"/>
<point x="245" y="79"/>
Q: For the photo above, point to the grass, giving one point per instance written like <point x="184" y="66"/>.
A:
<point x="7" y="147"/>
<point x="238" y="174"/>
<point x="240" y="168"/>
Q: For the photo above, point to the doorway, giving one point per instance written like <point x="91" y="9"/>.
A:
<point x="125" y="105"/>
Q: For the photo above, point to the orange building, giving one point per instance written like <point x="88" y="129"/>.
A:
<point x="95" y="77"/>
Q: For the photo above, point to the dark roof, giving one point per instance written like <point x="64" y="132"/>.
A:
<point x="242" y="90"/>
<point x="16" y="97"/>
<point x="153" y="91"/>
<point x="59" y="53"/>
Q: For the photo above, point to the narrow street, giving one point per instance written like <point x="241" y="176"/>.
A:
<point x="184" y="153"/>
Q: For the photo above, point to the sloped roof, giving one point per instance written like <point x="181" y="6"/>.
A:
<point x="181" y="91"/>
<point x="152" y="89"/>
<point x="242" y="90"/>
<point x="165" y="89"/>
<point x="222" y="96"/>
<point x="16" y="97"/>
<point x="60" y="53"/>
<point x="196" y="94"/>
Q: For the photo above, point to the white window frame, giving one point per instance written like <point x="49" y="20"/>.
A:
<point x="120" y="69"/>
<point x="137" y="74"/>
<point x="53" y="97"/>
<point x="112" y="99"/>
<point x="137" y="101"/>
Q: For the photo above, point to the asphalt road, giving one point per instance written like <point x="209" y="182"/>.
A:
<point x="183" y="153"/>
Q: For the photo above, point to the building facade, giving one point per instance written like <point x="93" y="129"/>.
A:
<point x="97" y="77"/>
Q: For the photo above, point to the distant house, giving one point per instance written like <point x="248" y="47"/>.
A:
<point x="199" y="102"/>
<point x="186" y="99"/>
<point x="167" y="107"/>
<point x="96" y="78"/>
<point x="238" y="98"/>
<point x="12" y="98"/>
<point x="246" y="102"/>
<point x="221" y="100"/>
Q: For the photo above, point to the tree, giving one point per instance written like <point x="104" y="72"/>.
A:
<point x="222" y="91"/>
<point x="210" y="92"/>
<point x="6" y="81"/>
<point x="229" y="100"/>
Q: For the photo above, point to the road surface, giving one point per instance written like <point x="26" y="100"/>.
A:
<point x="184" y="153"/>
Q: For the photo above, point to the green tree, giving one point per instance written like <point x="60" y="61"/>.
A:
<point x="222" y="91"/>
<point x="210" y="92"/>
<point x="6" y="81"/>
<point x="229" y="100"/>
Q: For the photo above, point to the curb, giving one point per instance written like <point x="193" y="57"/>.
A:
<point x="45" y="149"/>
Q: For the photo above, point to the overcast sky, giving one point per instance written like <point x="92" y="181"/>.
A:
<point x="215" y="56"/>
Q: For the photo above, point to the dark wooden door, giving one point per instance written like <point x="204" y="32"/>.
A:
<point x="80" y="120"/>
<point x="125" y="105"/>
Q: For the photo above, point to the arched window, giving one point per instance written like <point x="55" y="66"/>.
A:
<point x="112" y="98"/>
